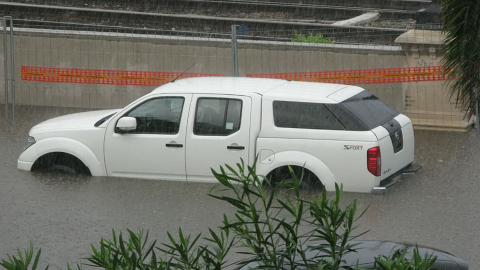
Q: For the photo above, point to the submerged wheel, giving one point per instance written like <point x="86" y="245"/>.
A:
<point x="61" y="163"/>
<point x="283" y="175"/>
<point x="63" y="169"/>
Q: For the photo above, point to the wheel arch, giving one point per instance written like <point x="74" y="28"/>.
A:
<point x="47" y="161"/>
<point x="295" y="158"/>
<point x="71" y="147"/>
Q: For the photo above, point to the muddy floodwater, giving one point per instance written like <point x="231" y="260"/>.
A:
<point x="63" y="215"/>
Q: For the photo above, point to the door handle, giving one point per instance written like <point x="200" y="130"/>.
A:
<point x="177" y="145"/>
<point x="236" y="147"/>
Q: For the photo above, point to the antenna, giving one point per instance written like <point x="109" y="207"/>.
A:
<point x="183" y="72"/>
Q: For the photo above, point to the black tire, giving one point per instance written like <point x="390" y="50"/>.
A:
<point x="58" y="168"/>
<point x="61" y="163"/>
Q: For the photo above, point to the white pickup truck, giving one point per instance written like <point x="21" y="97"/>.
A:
<point x="337" y="133"/>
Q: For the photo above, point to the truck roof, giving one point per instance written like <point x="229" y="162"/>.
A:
<point x="270" y="89"/>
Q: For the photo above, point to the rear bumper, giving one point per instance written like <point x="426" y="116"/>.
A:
<point x="388" y="183"/>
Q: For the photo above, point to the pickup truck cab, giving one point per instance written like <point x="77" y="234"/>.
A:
<point x="337" y="133"/>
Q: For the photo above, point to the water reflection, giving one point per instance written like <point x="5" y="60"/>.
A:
<point x="59" y="179"/>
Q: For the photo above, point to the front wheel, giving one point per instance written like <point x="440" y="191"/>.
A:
<point x="61" y="163"/>
<point x="59" y="168"/>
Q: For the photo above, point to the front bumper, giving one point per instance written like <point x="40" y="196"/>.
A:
<point x="388" y="183"/>
<point x="24" y="165"/>
<point x="27" y="158"/>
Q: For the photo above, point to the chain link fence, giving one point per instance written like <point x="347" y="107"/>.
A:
<point x="90" y="66"/>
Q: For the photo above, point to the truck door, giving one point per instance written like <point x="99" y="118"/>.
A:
<point x="156" y="148"/>
<point x="218" y="133"/>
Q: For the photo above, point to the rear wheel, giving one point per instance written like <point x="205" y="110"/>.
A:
<point x="282" y="175"/>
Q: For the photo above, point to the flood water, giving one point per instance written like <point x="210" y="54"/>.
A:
<point x="63" y="215"/>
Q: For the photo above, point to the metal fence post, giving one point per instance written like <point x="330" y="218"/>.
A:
<point x="234" y="51"/>
<point x="12" y="66"/>
<point x="5" y="64"/>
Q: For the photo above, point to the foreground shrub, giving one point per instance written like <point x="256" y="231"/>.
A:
<point x="272" y="229"/>
<point x="23" y="261"/>
<point x="138" y="252"/>
<point x="398" y="261"/>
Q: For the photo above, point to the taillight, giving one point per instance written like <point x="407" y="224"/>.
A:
<point x="374" y="161"/>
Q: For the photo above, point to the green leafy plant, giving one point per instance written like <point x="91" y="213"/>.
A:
<point x="184" y="253"/>
<point x="461" y="48"/>
<point x="310" y="38"/>
<point x="335" y="226"/>
<point x="398" y="261"/>
<point x="137" y="252"/>
<point x="134" y="253"/>
<point x="23" y="261"/>
<point x="273" y="230"/>
<point x="259" y="224"/>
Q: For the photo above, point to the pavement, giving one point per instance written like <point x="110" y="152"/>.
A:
<point x="63" y="215"/>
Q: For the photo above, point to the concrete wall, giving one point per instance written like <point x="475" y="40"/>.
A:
<point x="429" y="104"/>
<point x="93" y="50"/>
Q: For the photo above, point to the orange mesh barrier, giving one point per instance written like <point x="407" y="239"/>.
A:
<point x="103" y="76"/>
<point x="363" y="76"/>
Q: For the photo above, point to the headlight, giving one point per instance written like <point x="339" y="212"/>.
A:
<point x="30" y="141"/>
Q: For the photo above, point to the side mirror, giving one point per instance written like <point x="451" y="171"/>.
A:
<point x="125" y="124"/>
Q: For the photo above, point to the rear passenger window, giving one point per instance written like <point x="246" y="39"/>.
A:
<point x="304" y="115"/>
<point x="217" y="116"/>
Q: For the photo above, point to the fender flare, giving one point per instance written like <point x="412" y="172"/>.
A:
<point x="295" y="158"/>
<point x="74" y="148"/>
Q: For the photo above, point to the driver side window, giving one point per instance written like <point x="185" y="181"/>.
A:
<point x="158" y="116"/>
